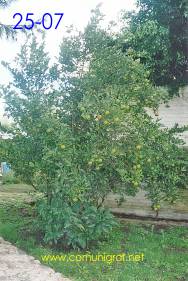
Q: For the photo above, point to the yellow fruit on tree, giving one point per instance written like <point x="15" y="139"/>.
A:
<point x="116" y="119"/>
<point x="138" y="147"/>
<point x="156" y="207"/>
<point x="123" y="106"/>
<point x="106" y="122"/>
<point x="114" y="150"/>
<point x="87" y="117"/>
<point x="107" y="112"/>
<point x="98" y="117"/>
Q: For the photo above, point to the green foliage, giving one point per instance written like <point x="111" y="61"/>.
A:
<point x="158" y="35"/>
<point x="149" y="42"/>
<point x="10" y="178"/>
<point x="185" y="159"/>
<point x="81" y="131"/>
<point x="4" y="3"/>
<point x="77" y="226"/>
<point x="6" y="30"/>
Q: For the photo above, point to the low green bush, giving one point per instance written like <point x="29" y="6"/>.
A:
<point x="79" y="226"/>
<point x="10" y="178"/>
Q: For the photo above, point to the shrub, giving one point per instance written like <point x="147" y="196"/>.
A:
<point x="79" y="226"/>
<point x="10" y="178"/>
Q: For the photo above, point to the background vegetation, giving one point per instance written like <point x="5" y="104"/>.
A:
<point x="158" y="35"/>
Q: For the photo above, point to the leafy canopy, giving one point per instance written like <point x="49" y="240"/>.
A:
<point x="158" y="34"/>
<point x="81" y="131"/>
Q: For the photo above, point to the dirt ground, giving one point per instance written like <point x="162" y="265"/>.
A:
<point x="15" y="265"/>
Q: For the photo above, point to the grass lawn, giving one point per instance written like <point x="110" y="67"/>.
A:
<point x="165" y="249"/>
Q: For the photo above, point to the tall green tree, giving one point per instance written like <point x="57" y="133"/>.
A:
<point x="81" y="131"/>
<point x="5" y="29"/>
<point x="32" y="80"/>
<point x="159" y="36"/>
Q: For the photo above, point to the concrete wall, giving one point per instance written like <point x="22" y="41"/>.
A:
<point x="175" y="112"/>
<point x="140" y="206"/>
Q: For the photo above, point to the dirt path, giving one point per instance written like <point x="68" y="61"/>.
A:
<point x="15" y="265"/>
